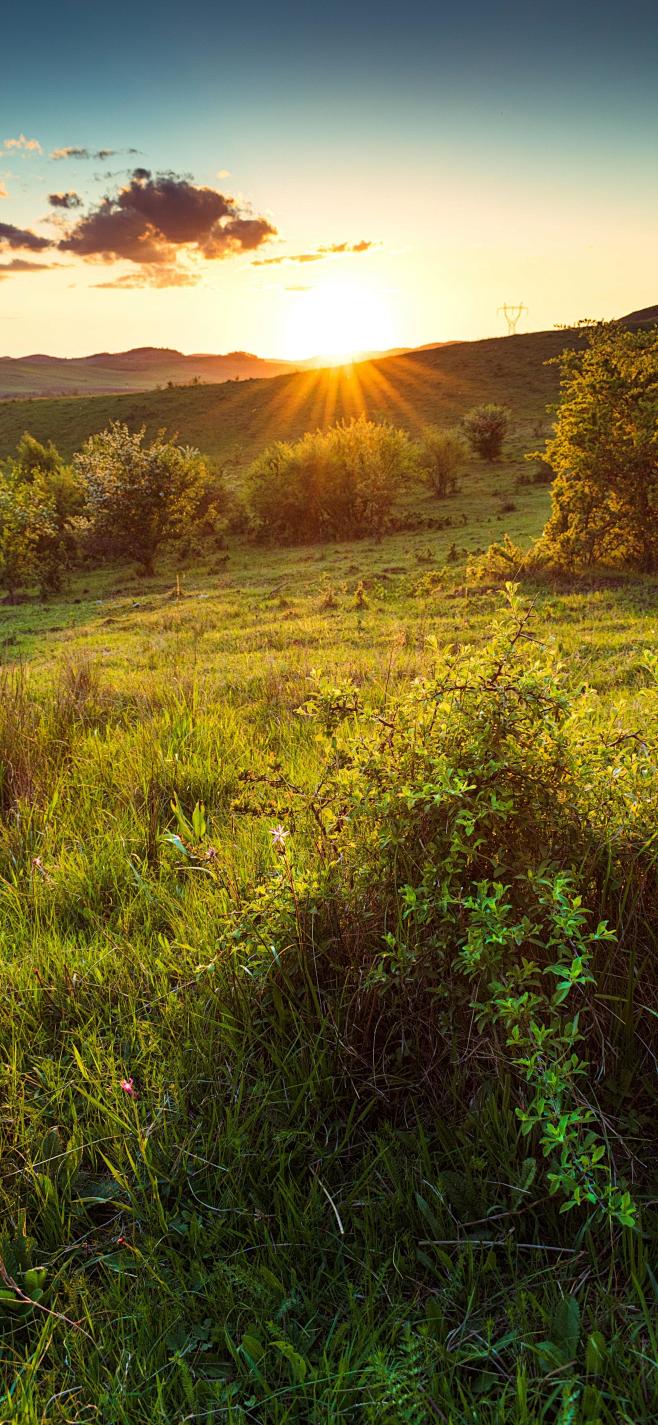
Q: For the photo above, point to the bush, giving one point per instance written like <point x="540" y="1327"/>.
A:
<point x="336" y="484"/>
<point x="440" y="455"/>
<point x="40" y="500"/>
<point x="470" y="842"/>
<point x="605" y="453"/>
<point x="502" y="561"/>
<point x="485" y="428"/>
<point x="139" y="496"/>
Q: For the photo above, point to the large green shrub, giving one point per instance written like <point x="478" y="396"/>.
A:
<point x="468" y="842"/>
<point x="441" y="453"/>
<point x="605" y="453"/>
<point x="335" y="484"/>
<point x="485" y="428"/>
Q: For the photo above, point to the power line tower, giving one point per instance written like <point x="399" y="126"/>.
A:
<point x="512" y="315"/>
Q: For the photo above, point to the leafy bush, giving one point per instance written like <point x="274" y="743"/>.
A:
<point x="604" y="452"/>
<point x="40" y="500"/>
<point x="485" y="428"/>
<point x="138" y="495"/>
<point x="336" y="484"/>
<point x="440" y="455"/>
<point x="450" y="917"/>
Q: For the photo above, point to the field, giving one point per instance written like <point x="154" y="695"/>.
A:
<point x="225" y="1210"/>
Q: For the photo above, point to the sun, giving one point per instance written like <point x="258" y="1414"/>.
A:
<point x="338" y="321"/>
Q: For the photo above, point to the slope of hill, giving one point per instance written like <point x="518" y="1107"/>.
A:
<point x="233" y="420"/>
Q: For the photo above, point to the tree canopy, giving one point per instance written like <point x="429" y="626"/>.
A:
<point x="140" y="495"/>
<point x="604" y="452"/>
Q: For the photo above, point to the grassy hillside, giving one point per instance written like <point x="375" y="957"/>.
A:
<point x="234" y="420"/>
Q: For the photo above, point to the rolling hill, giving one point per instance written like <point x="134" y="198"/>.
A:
<point x="234" y="419"/>
<point x="143" y="368"/>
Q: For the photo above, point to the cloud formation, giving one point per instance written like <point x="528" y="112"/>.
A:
<point x="65" y="200"/>
<point x="73" y="151"/>
<point x="152" y="219"/>
<point x="3" y="191"/>
<point x="152" y="275"/>
<point x="13" y="237"/>
<point x="23" y="145"/>
<point x="331" y="250"/>
<point x="20" y="264"/>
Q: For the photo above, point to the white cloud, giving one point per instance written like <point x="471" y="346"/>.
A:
<point x="23" y="144"/>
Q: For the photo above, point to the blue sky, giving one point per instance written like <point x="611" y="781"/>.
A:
<point x="484" y="152"/>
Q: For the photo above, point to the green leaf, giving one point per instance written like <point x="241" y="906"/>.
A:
<point x="298" y="1365"/>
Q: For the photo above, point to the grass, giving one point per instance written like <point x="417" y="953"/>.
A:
<point x="272" y="1230"/>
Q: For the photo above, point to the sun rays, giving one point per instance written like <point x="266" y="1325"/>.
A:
<point x="403" y="392"/>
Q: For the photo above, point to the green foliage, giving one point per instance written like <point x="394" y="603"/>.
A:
<point x="336" y="484"/>
<point x="503" y="561"/>
<point x="139" y="496"/>
<point x="40" y="499"/>
<point x="452" y="833"/>
<point x="604" y="452"/>
<point x="485" y="428"/>
<point x="441" y="454"/>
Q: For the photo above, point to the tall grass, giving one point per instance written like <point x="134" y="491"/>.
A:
<point x="262" y="1112"/>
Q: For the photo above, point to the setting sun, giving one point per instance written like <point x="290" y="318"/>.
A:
<point x="339" y="320"/>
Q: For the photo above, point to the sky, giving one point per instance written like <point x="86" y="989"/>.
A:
<point x="293" y="179"/>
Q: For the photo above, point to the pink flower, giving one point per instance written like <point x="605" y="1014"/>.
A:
<point x="128" y="1087"/>
<point x="279" y="836"/>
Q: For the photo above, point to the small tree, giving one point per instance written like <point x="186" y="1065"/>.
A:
<point x="138" y="495"/>
<point x="28" y="535"/>
<point x="440" y="455"/>
<point x="485" y="428"/>
<point x="605" y="453"/>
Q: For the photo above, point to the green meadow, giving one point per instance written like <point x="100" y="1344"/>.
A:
<point x="225" y="1195"/>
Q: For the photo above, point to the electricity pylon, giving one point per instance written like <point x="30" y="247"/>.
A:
<point x="512" y="315"/>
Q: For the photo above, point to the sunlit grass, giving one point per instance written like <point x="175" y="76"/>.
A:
<point x="253" y="1238"/>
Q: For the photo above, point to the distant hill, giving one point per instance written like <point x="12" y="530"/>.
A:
<point x="143" y="368"/>
<point x="233" y="420"/>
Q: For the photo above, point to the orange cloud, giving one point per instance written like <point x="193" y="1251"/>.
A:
<point x="21" y="144"/>
<point x="334" y="249"/>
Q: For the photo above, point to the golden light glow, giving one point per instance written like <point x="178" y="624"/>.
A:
<point x="338" y="321"/>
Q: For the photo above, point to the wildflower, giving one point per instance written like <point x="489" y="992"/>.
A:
<point x="128" y="1087"/>
<point x="279" y="836"/>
